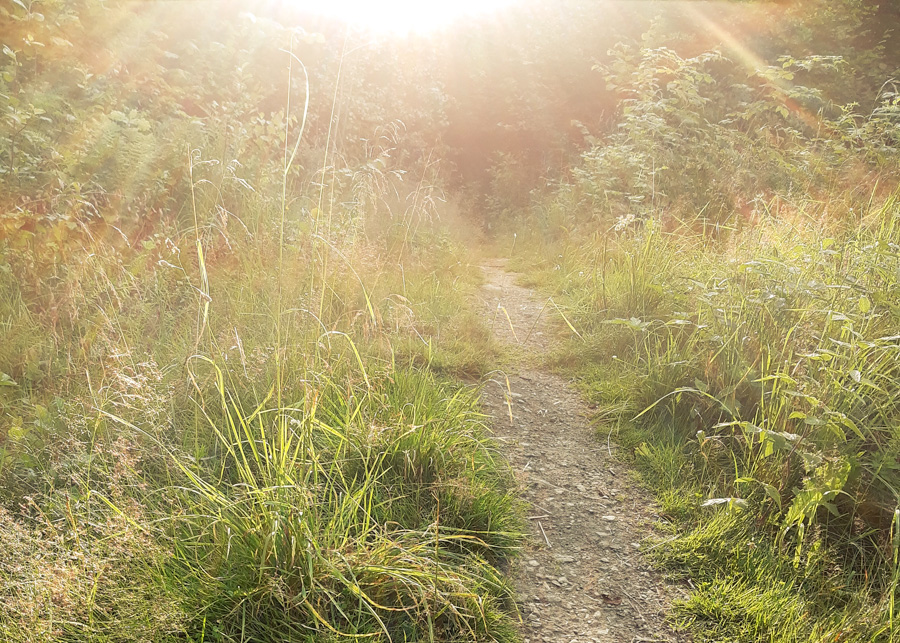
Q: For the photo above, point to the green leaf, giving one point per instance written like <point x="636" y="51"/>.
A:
<point x="634" y="323"/>
<point x="827" y="481"/>
<point x="17" y="432"/>
<point x="773" y="493"/>
<point x="864" y="305"/>
<point x="850" y="424"/>
<point x="6" y="380"/>
<point x="811" y="460"/>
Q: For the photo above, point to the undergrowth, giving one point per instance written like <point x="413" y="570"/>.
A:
<point x="235" y="298"/>
<point x="729" y="259"/>
<point x="184" y="457"/>
<point x="227" y="398"/>
<point x="753" y="383"/>
<point x="169" y="471"/>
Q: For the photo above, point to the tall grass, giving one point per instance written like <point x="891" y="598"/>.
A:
<point x="754" y="376"/>
<point x="171" y="495"/>
<point x="377" y="512"/>
<point x="232" y="432"/>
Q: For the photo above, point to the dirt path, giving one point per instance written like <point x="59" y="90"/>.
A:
<point x="582" y="578"/>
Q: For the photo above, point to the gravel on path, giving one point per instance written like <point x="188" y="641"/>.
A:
<point x="582" y="578"/>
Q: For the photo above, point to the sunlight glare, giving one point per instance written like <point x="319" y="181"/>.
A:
<point x="403" y="16"/>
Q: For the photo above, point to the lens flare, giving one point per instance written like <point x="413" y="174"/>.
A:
<point x="403" y="16"/>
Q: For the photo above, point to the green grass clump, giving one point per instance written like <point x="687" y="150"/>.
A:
<point x="376" y="510"/>
<point x="748" y="590"/>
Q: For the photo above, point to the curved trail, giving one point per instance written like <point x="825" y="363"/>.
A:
<point x="581" y="578"/>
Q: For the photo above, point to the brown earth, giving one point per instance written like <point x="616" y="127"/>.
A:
<point x="582" y="577"/>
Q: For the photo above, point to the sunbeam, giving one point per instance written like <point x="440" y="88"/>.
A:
<point x="403" y="16"/>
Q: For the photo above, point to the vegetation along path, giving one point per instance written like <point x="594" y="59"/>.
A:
<point x="582" y="578"/>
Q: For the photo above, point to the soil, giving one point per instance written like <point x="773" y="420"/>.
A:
<point x="582" y="577"/>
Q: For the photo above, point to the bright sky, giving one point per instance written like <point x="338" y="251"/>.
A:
<point x="403" y="16"/>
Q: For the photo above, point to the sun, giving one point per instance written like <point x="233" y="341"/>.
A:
<point x="403" y="16"/>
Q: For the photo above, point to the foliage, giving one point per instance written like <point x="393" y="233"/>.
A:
<point x="727" y="253"/>
<point x="233" y="275"/>
<point x="759" y="377"/>
<point x="217" y="420"/>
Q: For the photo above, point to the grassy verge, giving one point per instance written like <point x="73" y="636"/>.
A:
<point x="199" y="444"/>
<point x="752" y="378"/>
